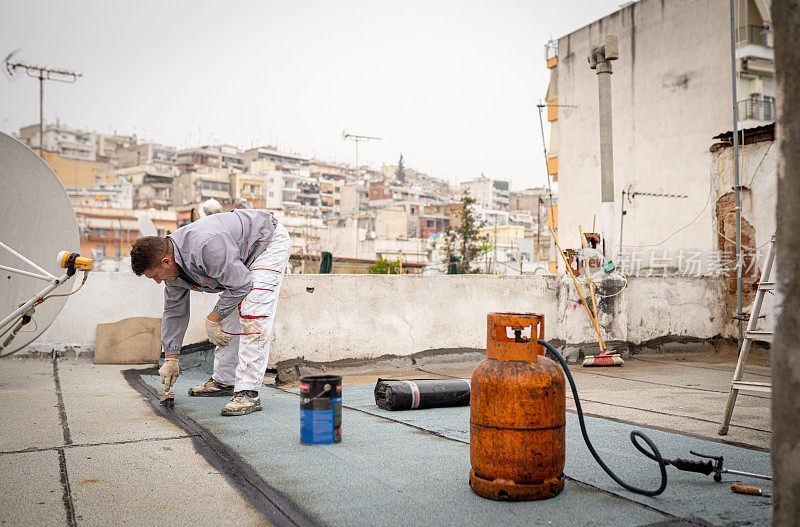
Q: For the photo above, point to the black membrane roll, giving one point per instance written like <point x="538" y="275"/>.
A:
<point x="417" y="394"/>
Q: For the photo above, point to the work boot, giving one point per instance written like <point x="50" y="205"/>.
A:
<point x="243" y="402"/>
<point x="211" y="388"/>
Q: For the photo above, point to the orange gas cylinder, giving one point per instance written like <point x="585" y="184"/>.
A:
<point x="517" y="414"/>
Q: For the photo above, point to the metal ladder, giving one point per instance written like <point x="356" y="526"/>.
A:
<point x="750" y="335"/>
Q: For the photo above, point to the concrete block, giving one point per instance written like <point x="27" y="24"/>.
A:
<point x="134" y="340"/>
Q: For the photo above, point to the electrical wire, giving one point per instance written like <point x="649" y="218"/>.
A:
<point x="755" y="172"/>
<point x="612" y="294"/>
<point x="708" y="200"/>
<point x="35" y="327"/>
<point x="655" y="455"/>
<point x="85" y="276"/>
<point x="11" y="325"/>
<point x="710" y="188"/>
<point x="744" y="246"/>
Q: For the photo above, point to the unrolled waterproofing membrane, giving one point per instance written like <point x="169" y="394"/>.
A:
<point x="417" y="394"/>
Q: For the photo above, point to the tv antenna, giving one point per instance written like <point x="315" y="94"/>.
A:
<point x="357" y="139"/>
<point x="42" y="73"/>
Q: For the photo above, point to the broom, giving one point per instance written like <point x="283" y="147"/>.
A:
<point x="606" y="357"/>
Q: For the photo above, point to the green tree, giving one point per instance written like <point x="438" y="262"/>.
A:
<point x="485" y="248"/>
<point x="401" y="170"/>
<point x="382" y="266"/>
<point x="467" y="233"/>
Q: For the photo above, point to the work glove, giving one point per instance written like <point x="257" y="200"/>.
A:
<point x="169" y="372"/>
<point x="215" y="334"/>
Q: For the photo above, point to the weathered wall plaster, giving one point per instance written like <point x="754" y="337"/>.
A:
<point x="328" y="317"/>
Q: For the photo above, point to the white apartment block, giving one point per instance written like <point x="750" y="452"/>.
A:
<point x="67" y="142"/>
<point x="223" y="156"/>
<point x="488" y="193"/>
<point x="267" y="153"/>
<point x="116" y="195"/>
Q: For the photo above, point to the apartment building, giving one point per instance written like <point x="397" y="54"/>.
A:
<point x="671" y="95"/>
<point x="67" y="142"/>
<point x="72" y="154"/>
<point x="109" y="145"/>
<point x="152" y="185"/>
<point x="354" y="196"/>
<point x="162" y="157"/>
<point x="416" y="178"/>
<point x="106" y="232"/>
<point x="331" y="178"/>
<point x="247" y="190"/>
<point x="529" y="199"/>
<point x="224" y="156"/>
<point x="116" y="195"/>
<point x="204" y="183"/>
<point x="268" y="153"/>
<point x="433" y="221"/>
<point x="488" y="193"/>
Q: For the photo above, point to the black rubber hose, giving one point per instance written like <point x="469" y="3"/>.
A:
<point x="654" y="455"/>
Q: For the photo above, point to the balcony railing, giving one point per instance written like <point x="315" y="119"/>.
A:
<point x="762" y="109"/>
<point x="758" y="35"/>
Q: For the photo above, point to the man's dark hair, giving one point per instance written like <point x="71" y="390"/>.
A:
<point x="147" y="252"/>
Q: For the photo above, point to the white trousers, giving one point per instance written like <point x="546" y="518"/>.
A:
<point x="244" y="361"/>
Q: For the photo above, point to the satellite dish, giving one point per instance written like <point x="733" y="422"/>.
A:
<point x="147" y="227"/>
<point x="37" y="221"/>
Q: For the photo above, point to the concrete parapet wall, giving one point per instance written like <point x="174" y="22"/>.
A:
<point x="323" y="318"/>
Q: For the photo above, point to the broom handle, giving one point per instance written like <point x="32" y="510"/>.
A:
<point x="571" y="274"/>
<point x="596" y="321"/>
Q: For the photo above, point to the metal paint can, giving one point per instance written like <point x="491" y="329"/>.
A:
<point x="320" y="409"/>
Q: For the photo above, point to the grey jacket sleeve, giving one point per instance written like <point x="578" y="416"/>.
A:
<point x="175" y="318"/>
<point x="220" y="260"/>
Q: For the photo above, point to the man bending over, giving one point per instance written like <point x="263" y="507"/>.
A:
<point x="242" y="254"/>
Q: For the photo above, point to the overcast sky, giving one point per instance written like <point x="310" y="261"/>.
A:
<point x="453" y="85"/>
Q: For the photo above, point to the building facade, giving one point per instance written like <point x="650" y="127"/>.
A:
<point x="488" y="193"/>
<point x="671" y="93"/>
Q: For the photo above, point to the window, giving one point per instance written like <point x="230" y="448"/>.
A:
<point x="337" y="201"/>
<point x="430" y="224"/>
<point x="271" y="194"/>
<point x="100" y="233"/>
<point x="337" y="189"/>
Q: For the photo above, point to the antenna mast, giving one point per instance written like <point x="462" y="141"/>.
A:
<point x="42" y="73"/>
<point x="357" y="139"/>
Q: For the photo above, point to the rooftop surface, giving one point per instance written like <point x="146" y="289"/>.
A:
<point x="86" y="444"/>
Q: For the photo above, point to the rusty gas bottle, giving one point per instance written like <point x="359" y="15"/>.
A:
<point x="517" y="414"/>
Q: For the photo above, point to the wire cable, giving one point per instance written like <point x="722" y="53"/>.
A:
<point x="41" y="300"/>
<point x="655" y="455"/>
<point x="85" y="276"/>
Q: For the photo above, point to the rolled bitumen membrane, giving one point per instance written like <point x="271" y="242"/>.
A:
<point x="416" y="394"/>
